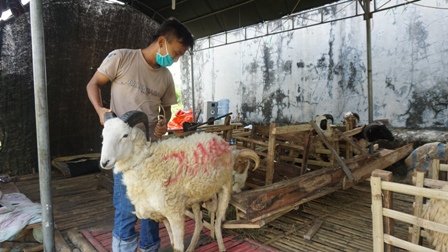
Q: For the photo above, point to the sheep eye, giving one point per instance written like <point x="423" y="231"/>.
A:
<point x="125" y="135"/>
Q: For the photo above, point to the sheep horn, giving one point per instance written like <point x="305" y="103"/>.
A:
<point x="135" y="117"/>
<point x="356" y="115"/>
<point x="109" y="115"/>
<point x="329" y="117"/>
<point x="247" y="153"/>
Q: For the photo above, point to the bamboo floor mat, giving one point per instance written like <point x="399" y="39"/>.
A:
<point x="346" y="216"/>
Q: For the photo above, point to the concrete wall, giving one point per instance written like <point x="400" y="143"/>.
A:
<point x="297" y="74"/>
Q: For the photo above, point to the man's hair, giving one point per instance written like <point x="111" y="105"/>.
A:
<point x="171" y="29"/>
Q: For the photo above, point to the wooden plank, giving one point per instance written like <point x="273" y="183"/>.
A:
<point x="292" y="129"/>
<point x="316" y="225"/>
<point x="250" y="140"/>
<point x="266" y="200"/>
<point x="271" y="156"/>
<point x="351" y="142"/>
<point x="336" y="155"/>
<point x="385" y="159"/>
<point x="232" y="224"/>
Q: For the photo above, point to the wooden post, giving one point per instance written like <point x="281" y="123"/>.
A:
<point x="271" y="155"/>
<point x="306" y="153"/>
<point x="435" y="168"/>
<point x="387" y="203"/>
<point x="377" y="214"/>
<point x="333" y="151"/>
<point x="418" y="208"/>
<point x="227" y="134"/>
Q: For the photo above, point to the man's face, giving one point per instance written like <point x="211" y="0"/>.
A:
<point x="176" y="49"/>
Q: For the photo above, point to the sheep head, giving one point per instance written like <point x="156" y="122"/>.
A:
<point x="375" y="131"/>
<point x="119" y="135"/>
<point x="242" y="160"/>
<point x="323" y="121"/>
<point x="350" y="118"/>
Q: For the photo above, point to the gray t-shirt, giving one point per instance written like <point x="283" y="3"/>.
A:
<point x="136" y="85"/>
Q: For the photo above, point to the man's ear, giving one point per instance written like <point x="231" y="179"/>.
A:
<point x="161" y="41"/>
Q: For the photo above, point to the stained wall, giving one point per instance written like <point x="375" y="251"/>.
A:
<point x="296" y="74"/>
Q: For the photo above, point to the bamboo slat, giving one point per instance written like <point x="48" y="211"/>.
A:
<point x="389" y="239"/>
<point x="377" y="217"/>
<point x="418" y="209"/>
<point x="412" y="190"/>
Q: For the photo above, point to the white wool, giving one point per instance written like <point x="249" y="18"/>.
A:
<point x="165" y="178"/>
<point x="437" y="211"/>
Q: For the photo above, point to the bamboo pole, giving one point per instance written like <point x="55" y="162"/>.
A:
<point x="435" y="168"/>
<point x="387" y="203"/>
<point x="408" y="218"/>
<point x="416" y="191"/>
<point x="405" y="244"/>
<point x="418" y="209"/>
<point x="377" y="216"/>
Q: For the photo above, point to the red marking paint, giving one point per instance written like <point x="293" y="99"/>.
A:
<point x="201" y="157"/>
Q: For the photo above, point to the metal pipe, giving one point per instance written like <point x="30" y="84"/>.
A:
<point x="42" y="132"/>
<point x="192" y="88"/>
<point x="369" y="58"/>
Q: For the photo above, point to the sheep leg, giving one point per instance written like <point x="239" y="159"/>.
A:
<point x="177" y="228"/>
<point x="197" y="227"/>
<point x="168" y="229"/>
<point x="223" y="202"/>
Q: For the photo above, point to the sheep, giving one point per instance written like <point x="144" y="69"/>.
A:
<point x="165" y="178"/>
<point x="421" y="158"/>
<point x="437" y="210"/>
<point x="323" y="122"/>
<point x="371" y="133"/>
<point x="350" y="119"/>
<point x="239" y="174"/>
<point x="241" y="167"/>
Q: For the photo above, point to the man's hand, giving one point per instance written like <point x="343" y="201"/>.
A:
<point x="161" y="128"/>
<point x="101" y="114"/>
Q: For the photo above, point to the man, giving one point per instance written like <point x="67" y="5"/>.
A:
<point x="140" y="81"/>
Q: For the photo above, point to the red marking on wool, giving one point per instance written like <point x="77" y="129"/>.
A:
<point x="201" y="157"/>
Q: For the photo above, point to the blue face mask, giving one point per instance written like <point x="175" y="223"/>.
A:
<point x="165" y="60"/>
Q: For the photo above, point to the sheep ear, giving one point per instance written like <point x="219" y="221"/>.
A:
<point x="135" y="117"/>
<point x="109" y="115"/>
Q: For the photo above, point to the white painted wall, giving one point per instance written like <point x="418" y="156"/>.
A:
<point x="297" y="74"/>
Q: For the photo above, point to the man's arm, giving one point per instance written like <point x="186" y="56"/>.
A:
<point x="94" y="93"/>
